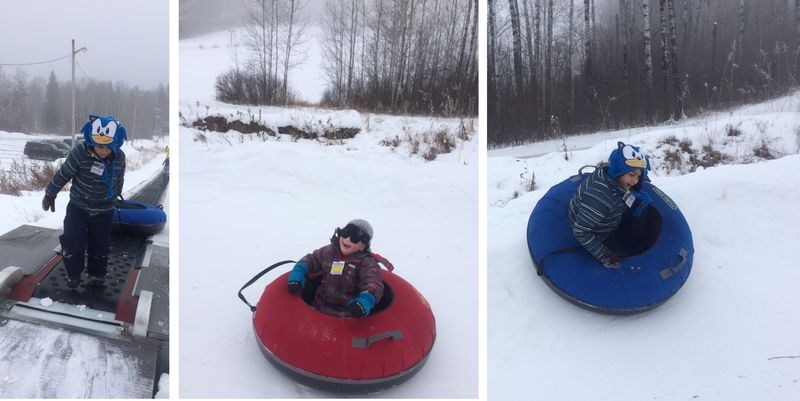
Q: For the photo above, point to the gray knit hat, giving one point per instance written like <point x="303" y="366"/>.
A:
<point x="364" y="226"/>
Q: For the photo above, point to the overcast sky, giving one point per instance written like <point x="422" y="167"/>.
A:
<point x="127" y="40"/>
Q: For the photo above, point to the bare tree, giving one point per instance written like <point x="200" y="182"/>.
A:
<point x="676" y="85"/>
<point x="491" y="67"/>
<point x="529" y="44"/>
<point x="648" y="59"/>
<point x="260" y="39"/>
<point x="570" y="38"/>
<point x="664" y="51"/>
<point x="626" y="27"/>
<point x="588" y="57"/>
<point x="516" y="32"/>
<point x="294" y="35"/>
<point x="548" y="64"/>
<point x="537" y="24"/>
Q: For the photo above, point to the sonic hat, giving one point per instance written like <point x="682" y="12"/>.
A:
<point x="104" y="130"/>
<point x="626" y="158"/>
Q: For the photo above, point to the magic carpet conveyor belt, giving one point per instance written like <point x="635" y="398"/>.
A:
<point x="45" y="276"/>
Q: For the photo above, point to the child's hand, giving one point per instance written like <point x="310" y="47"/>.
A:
<point x="610" y="260"/>
<point x="297" y="277"/>
<point x="49" y="202"/>
<point x="644" y="200"/>
<point x="362" y="304"/>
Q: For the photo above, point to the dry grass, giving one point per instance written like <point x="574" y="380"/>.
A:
<point x="26" y="176"/>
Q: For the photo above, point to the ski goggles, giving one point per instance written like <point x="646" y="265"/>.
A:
<point x="355" y="234"/>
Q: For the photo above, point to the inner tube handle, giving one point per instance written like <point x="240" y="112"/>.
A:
<point x="255" y="278"/>
<point x="580" y="170"/>
<point x="366" y="342"/>
<point x="669" y="271"/>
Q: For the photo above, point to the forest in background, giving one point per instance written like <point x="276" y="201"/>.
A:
<point x="567" y="66"/>
<point x="393" y="56"/>
<point x="43" y="105"/>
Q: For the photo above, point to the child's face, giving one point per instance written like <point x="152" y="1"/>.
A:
<point x="629" y="179"/>
<point x="102" y="151"/>
<point x="348" y="247"/>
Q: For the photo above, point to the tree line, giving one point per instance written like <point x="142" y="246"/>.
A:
<point x="409" y="56"/>
<point x="406" y="56"/>
<point x="43" y="105"/>
<point x="274" y="31"/>
<point x="556" y="68"/>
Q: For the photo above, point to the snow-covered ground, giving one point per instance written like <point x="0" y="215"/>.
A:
<point x="143" y="159"/>
<point x="729" y="334"/>
<point x="87" y="371"/>
<point x="249" y="200"/>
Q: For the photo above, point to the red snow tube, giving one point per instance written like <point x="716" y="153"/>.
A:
<point x="345" y="354"/>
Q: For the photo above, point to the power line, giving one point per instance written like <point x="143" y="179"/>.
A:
<point x="80" y="67"/>
<point x="38" y="62"/>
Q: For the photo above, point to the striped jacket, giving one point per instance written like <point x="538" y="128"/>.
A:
<point x="596" y="210"/>
<point x="96" y="182"/>
<point x="358" y="272"/>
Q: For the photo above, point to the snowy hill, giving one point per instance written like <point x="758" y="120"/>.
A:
<point x="254" y="192"/>
<point x="729" y="334"/>
<point x="248" y="201"/>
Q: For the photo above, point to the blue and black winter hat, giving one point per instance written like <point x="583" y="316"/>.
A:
<point x="104" y="130"/>
<point x="626" y="158"/>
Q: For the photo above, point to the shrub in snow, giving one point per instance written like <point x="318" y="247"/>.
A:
<point x="26" y="176"/>
<point x="763" y="151"/>
<point x="733" y="131"/>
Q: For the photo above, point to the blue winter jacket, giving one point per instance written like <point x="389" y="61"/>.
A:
<point x="96" y="182"/>
<point x="596" y="209"/>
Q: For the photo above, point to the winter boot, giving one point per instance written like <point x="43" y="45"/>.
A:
<point x="73" y="282"/>
<point x="97" y="281"/>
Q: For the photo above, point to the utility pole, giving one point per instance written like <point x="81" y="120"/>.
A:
<point x="135" y="109"/>
<point x="72" y="133"/>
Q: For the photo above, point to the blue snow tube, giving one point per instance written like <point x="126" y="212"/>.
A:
<point x="138" y="218"/>
<point x="644" y="280"/>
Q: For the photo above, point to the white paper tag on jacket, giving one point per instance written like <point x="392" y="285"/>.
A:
<point x="628" y="198"/>
<point x="337" y="268"/>
<point x="97" y="168"/>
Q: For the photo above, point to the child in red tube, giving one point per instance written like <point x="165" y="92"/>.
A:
<point x="351" y="277"/>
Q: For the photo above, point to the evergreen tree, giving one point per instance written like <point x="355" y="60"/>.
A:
<point x="52" y="109"/>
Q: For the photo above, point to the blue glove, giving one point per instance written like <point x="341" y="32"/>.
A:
<point x="297" y="277"/>
<point x="362" y="304"/>
<point x="644" y="200"/>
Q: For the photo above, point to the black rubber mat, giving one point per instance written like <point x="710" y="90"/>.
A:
<point x="28" y="247"/>
<point x="153" y="192"/>
<point x="126" y="253"/>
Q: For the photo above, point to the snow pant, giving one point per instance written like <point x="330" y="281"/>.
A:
<point x="633" y="236"/>
<point x="86" y="236"/>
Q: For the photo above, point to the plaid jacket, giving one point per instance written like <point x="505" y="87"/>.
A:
<point x="595" y="210"/>
<point x="358" y="272"/>
<point x="96" y="182"/>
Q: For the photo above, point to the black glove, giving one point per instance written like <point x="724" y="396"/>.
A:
<point x="49" y="202"/>
<point x="294" y="286"/>
<point x="297" y="277"/>
<point x="610" y="260"/>
<point x="355" y="309"/>
<point x="361" y="305"/>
